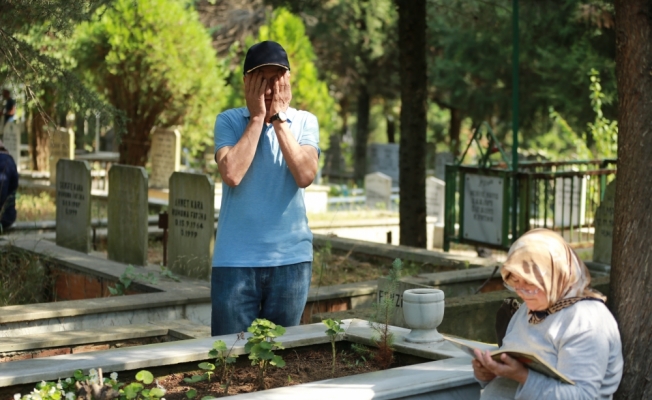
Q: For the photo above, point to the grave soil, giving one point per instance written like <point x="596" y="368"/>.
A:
<point x="303" y="365"/>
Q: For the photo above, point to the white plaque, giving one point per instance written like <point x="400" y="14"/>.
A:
<point x="483" y="208"/>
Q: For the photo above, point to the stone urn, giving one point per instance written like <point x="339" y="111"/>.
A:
<point x="423" y="311"/>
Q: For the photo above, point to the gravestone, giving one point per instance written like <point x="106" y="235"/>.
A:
<point x="604" y="225"/>
<point x="378" y="189"/>
<point x="191" y="224"/>
<point x="165" y="156"/>
<point x="127" y="214"/>
<point x="74" y="205"/>
<point x="11" y="140"/>
<point x="397" y="298"/>
<point x="62" y="146"/>
<point x="383" y="158"/>
<point x="435" y="198"/>
<point x="483" y="208"/>
<point x="564" y="194"/>
<point x="441" y="159"/>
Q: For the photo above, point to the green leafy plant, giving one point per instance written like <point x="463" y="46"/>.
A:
<point x="261" y="346"/>
<point x="383" y="311"/>
<point x="95" y="386"/>
<point x="126" y="279"/>
<point x="223" y="359"/>
<point x="166" y="273"/>
<point x="334" y="329"/>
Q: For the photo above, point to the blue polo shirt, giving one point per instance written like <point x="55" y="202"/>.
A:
<point x="263" y="220"/>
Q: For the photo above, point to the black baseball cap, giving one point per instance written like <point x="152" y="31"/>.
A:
<point x="265" y="53"/>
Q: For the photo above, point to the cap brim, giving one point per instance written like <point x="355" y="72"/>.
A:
<point x="265" y="65"/>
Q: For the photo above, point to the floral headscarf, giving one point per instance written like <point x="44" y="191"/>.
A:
<point x="545" y="260"/>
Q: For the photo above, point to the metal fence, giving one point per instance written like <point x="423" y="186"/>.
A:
<point x="562" y="196"/>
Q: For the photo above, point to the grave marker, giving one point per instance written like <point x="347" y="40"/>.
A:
<point x="378" y="189"/>
<point x="127" y="209"/>
<point x="62" y="146"/>
<point x="165" y="156"/>
<point x="604" y="225"/>
<point x="441" y="159"/>
<point x="384" y="158"/>
<point x="74" y="205"/>
<point x="191" y="224"/>
<point x="564" y="194"/>
<point x="483" y="208"/>
<point x="397" y="297"/>
<point x="435" y="195"/>
<point x="11" y="140"/>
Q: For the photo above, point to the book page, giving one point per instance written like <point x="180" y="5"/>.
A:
<point x="533" y="362"/>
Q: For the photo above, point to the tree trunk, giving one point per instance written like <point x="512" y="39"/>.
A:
<point x="362" y="134"/>
<point x="631" y="276"/>
<point x="454" y="130"/>
<point x="391" y="128"/>
<point x="412" y="161"/>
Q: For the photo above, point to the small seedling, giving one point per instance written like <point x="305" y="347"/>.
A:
<point x="223" y="359"/>
<point x="334" y="329"/>
<point x="261" y="346"/>
<point x="383" y="311"/>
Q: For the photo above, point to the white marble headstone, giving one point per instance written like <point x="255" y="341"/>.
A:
<point x="435" y="198"/>
<point x="441" y="160"/>
<point x="165" y="156"/>
<point x="378" y="190"/>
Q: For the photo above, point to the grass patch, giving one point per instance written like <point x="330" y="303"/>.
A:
<point x="24" y="279"/>
<point x="30" y="207"/>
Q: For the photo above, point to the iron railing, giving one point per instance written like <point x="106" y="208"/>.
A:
<point x="562" y="196"/>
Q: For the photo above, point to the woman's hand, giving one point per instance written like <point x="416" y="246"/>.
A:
<point x="508" y="368"/>
<point x="480" y="372"/>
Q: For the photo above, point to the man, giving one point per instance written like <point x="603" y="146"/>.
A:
<point x="9" y="109"/>
<point x="8" y="187"/>
<point x="266" y="152"/>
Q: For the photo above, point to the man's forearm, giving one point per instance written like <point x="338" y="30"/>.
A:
<point x="234" y="162"/>
<point x="301" y="160"/>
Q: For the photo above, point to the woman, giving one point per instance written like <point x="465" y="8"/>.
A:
<point x="562" y="320"/>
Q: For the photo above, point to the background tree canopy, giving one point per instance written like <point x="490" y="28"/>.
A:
<point x="153" y="60"/>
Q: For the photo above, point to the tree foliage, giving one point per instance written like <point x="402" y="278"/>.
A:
<point x="153" y="60"/>
<point x="469" y="50"/>
<point x="29" y="30"/>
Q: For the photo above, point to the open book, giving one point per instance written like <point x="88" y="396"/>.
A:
<point x="530" y="360"/>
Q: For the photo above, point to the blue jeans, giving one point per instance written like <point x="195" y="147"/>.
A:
<point x="239" y="295"/>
